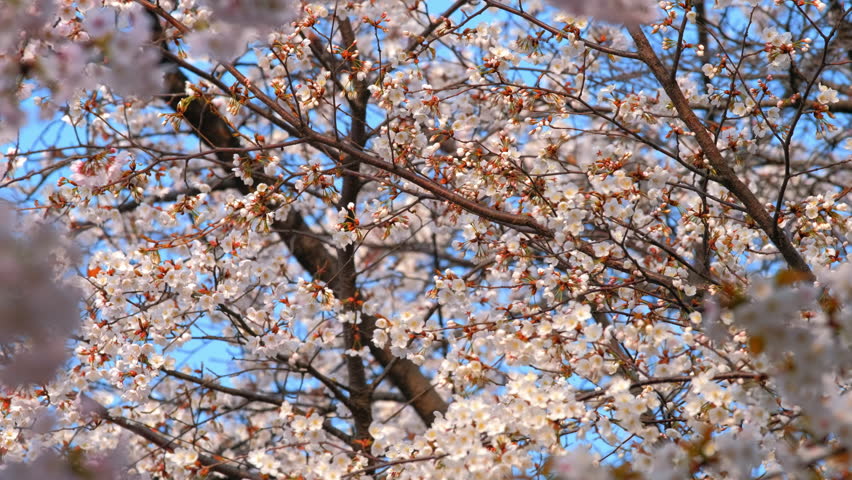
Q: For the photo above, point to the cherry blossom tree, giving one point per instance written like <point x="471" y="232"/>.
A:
<point x="417" y="239"/>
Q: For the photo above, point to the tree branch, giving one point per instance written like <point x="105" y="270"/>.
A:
<point x="727" y="176"/>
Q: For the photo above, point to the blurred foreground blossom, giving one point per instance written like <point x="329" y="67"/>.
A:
<point x="237" y="22"/>
<point x="49" y="465"/>
<point x="269" y="13"/>
<point x="38" y="310"/>
<point x="576" y="465"/>
<point x="18" y="21"/>
<point x="616" y="11"/>
<point x="69" y="47"/>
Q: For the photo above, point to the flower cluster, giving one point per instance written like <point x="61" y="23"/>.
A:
<point x="37" y="306"/>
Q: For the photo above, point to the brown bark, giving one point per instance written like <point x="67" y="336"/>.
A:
<point x="345" y="286"/>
